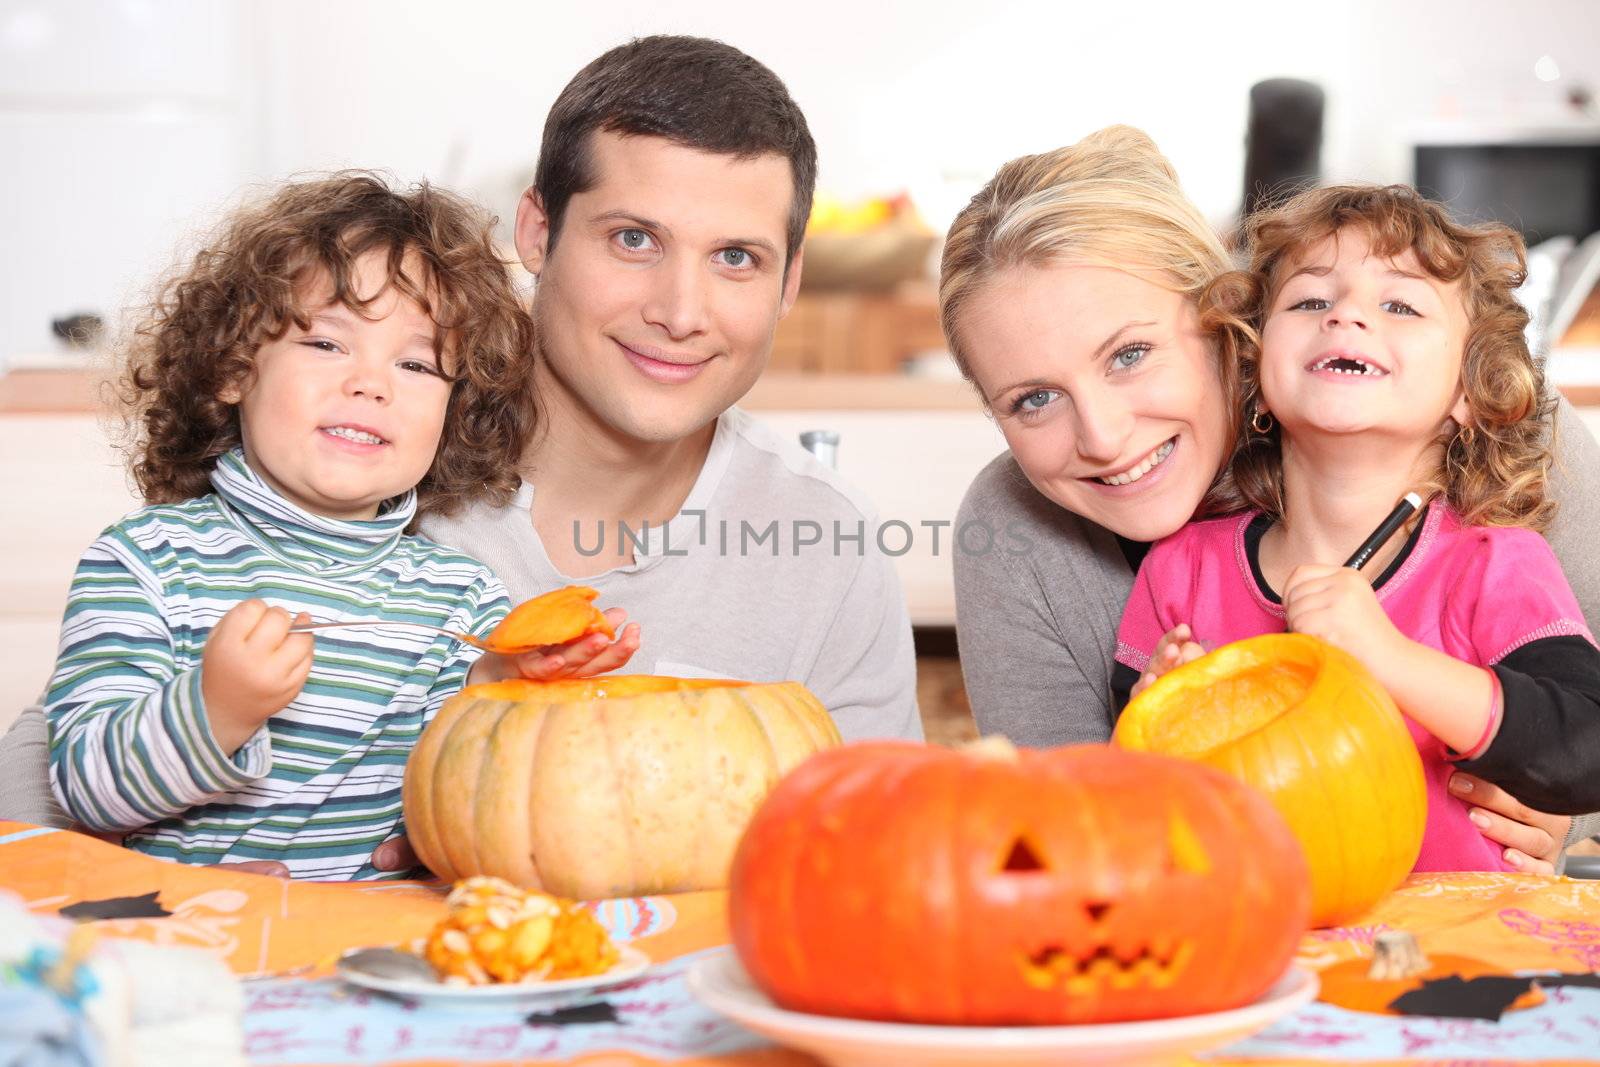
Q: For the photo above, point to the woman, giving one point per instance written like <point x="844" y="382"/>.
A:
<point x="1068" y="292"/>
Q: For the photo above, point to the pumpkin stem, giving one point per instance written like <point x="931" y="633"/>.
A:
<point x="1396" y="954"/>
<point x="992" y="746"/>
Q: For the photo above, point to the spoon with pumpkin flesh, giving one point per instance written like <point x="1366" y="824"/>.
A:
<point x="552" y="618"/>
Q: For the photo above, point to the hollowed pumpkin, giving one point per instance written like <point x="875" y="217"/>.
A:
<point x="1312" y="729"/>
<point x="603" y="787"/>
<point x="907" y="882"/>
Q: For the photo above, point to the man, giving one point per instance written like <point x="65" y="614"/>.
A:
<point x="665" y="227"/>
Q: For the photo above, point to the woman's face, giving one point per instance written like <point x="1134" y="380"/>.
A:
<point x="1105" y="390"/>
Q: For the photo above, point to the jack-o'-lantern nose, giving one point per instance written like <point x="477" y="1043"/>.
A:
<point x="1022" y="858"/>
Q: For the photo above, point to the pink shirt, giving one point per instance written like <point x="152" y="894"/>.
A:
<point x="1476" y="593"/>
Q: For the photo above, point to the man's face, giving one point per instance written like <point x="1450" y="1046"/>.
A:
<point x="657" y="306"/>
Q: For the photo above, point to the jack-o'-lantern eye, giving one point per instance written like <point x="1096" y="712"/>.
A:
<point x="1187" y="853"/>
<point x="1023" y="858"/>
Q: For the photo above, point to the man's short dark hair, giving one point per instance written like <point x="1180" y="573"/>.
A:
<point x="692" y="91"/>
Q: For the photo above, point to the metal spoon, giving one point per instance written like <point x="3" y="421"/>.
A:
<point x="389" y="963"/>
<point x="477" y="642"/>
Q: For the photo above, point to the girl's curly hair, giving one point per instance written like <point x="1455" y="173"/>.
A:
<point x="1494" y="470"/>
<point x="245" y="288"/>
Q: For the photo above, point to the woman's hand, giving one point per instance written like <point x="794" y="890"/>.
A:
<point x="1531" y="838"/>
<point x="586" y="657"/>
<point x="1176" y="647"/>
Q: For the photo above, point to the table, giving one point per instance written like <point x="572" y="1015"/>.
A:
<point x="284" y="936"/>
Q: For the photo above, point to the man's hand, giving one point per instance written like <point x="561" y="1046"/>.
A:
<point x="270" y="868"/>
<point x="251" y="669"/>
<point x="1176" y="647"/>
<point x="395" y="854"/>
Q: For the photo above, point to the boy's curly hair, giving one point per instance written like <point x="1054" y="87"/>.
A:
<point x="1495" y="469"/>
<point x="245" y="288"/>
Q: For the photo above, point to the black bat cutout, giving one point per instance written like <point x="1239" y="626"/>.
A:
<point x="581" y="1015"/>
<point x="143" y="907"/>
<point x="1486" y="998"/>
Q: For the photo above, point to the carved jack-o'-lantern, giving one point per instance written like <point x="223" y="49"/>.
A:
<point x="989" y="886"/>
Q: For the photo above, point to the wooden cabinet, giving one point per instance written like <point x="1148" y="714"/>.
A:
<point x="858" y="332"/>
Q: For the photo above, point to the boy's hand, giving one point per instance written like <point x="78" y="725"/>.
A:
<point x="584" y="658"/>
<point x="1338" y="605"/>
<point x="251" y="669"/>
<point x="1176" y="647"/>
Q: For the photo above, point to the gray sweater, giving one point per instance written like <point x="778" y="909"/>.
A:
<point x="1037" y="628"/>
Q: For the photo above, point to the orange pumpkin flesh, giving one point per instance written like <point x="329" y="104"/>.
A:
<point x="1314" y="731"/>
<point x="552" y="618"/>
<point x="495" y="932"/>
<point x="912" y="883"/>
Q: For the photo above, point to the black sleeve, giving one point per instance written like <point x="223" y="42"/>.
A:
<point x="1547" y="751"/>
<point x="1123" y="679"/>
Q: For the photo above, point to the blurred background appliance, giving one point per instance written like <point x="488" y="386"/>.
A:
<point x="1542" y="182"/>
<point x="1283" y="141"/>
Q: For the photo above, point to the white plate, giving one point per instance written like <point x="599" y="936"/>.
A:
<point x="545" y="996"/>
<point x="720" y="983"/>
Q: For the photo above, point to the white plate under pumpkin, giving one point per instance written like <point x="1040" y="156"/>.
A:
<point x="508" y="996"/>
<point x="719" y="982"/>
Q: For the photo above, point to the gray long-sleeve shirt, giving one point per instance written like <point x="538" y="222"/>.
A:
<point x="1037" y="628"/>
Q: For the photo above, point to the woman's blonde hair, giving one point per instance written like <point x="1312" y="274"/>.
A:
<point x="1111" y="200"/>
<point x="1494" y="470"/>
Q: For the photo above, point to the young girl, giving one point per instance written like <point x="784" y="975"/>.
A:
<point x="1380" y="350"/>
<point x="339" y="361"/>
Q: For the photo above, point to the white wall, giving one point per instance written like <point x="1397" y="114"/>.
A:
<point x="930" y="96"/>
<point x="119" y="120"/>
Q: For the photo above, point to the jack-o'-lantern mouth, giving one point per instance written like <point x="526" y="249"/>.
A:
<point x="1154" y="967"/>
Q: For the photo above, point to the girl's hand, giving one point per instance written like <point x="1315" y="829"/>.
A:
<point x="584" y="658"/>
<point x="1532" y="839"/>
<point x="251" y="669"/>
<point x="1339" y="606"/>
<point x="1176" y="647"/>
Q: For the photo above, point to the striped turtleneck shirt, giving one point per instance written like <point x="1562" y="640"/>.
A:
<point x="318" y="786"/>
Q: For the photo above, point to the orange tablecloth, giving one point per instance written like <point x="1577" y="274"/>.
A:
<point x="293" y="931"/>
